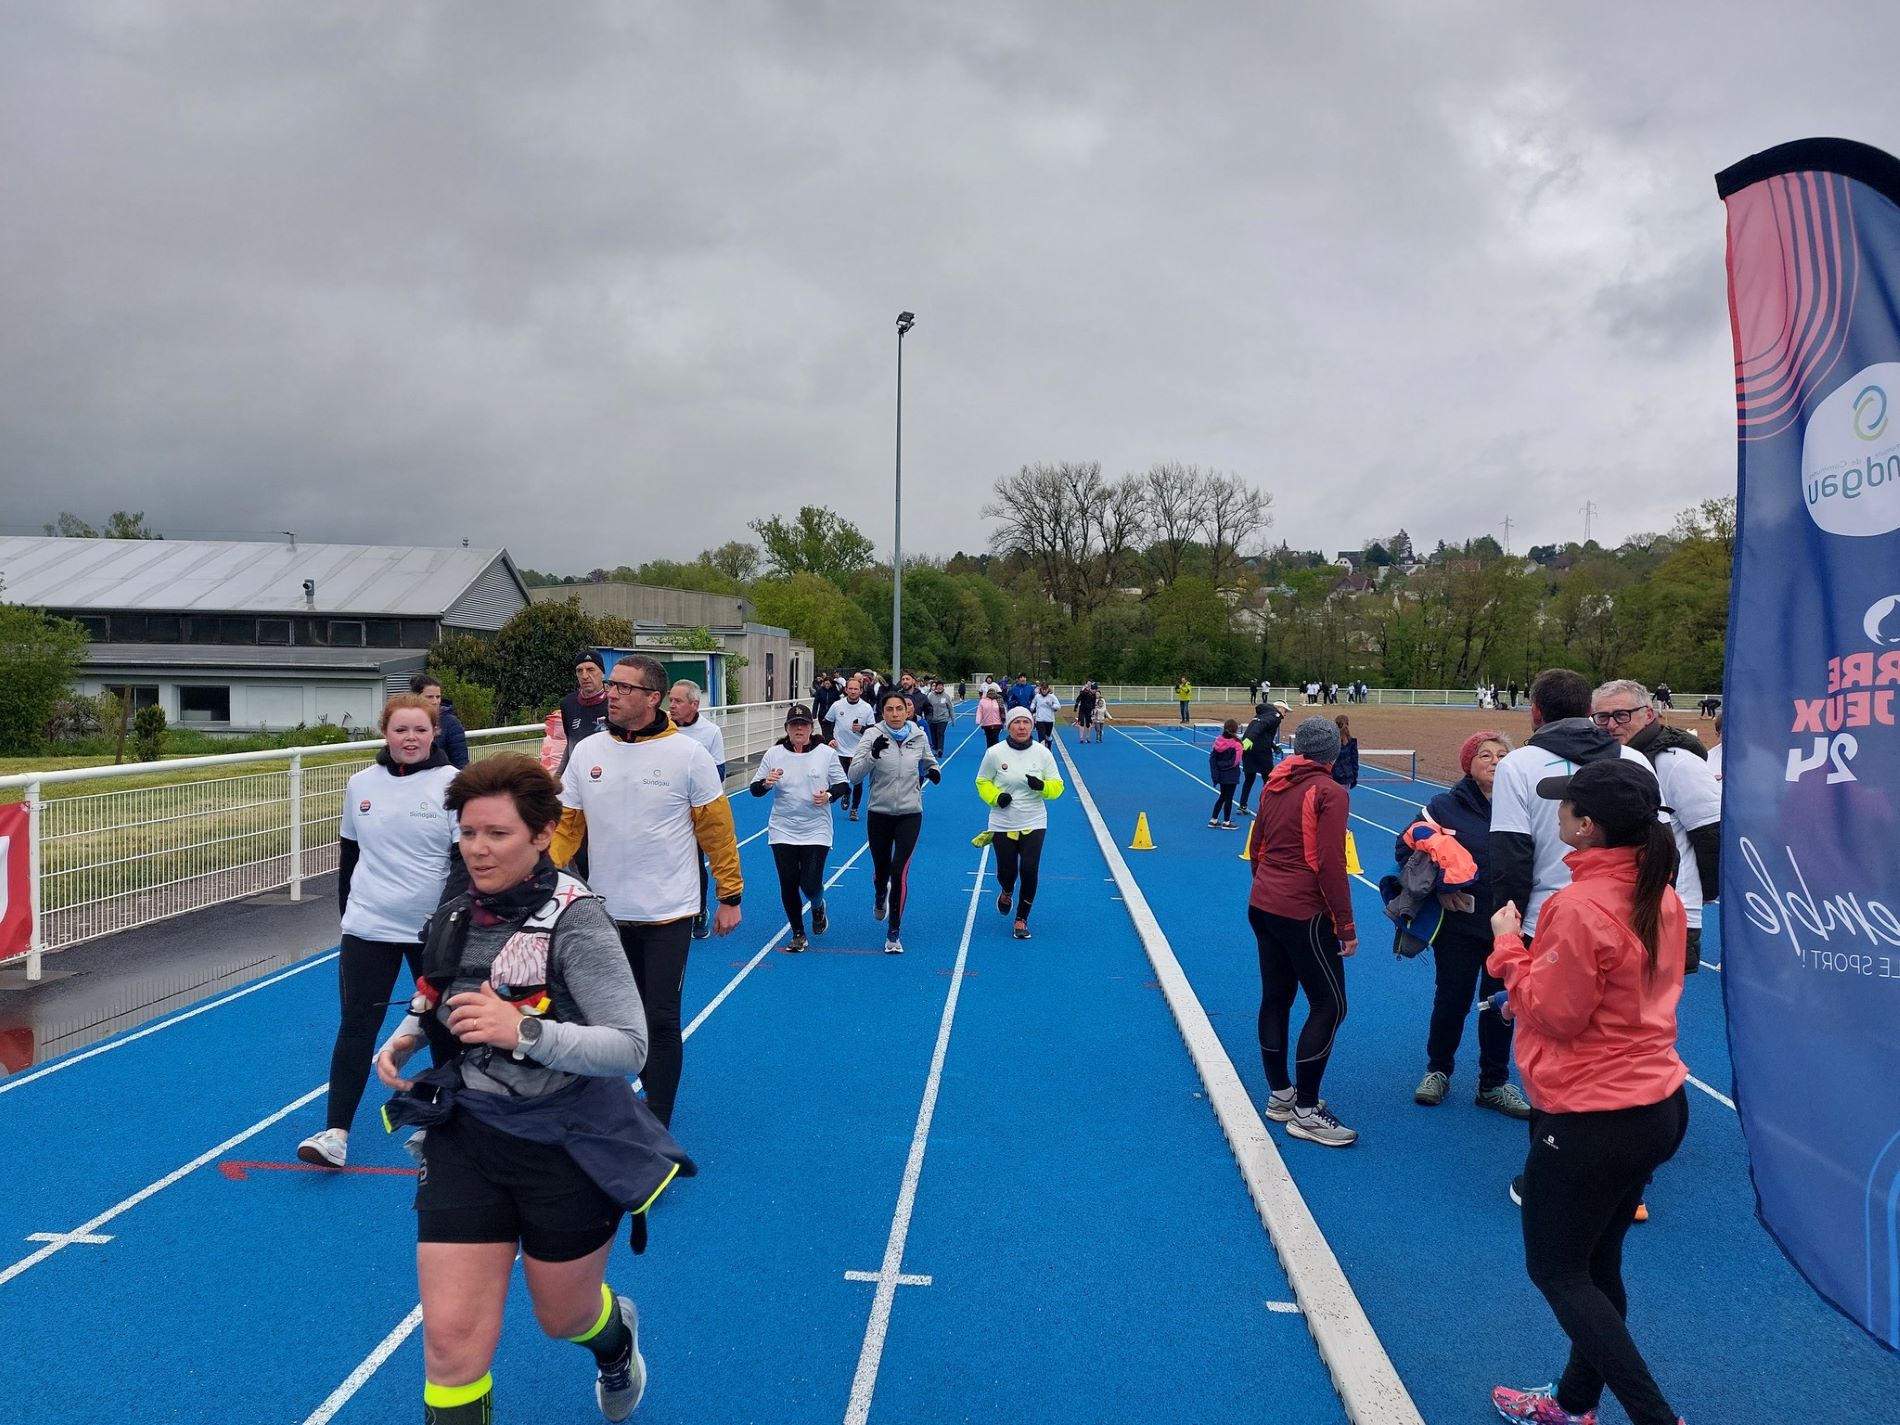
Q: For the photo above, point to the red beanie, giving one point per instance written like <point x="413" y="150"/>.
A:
<point x="1472" y="744"/>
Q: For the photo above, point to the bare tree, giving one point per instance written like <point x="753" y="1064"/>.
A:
<point x="1236" y="513"/>
<point x="1043" y="515"/>
<point x="1176" y="498"/>
<point x="1119" y="513"/>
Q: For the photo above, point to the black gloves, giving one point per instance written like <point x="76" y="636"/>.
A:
<point x="878" y="746"/>
<point x="1002" y="799"/>
<point x="933" y="776"/>
<point x="1035" y="783"/>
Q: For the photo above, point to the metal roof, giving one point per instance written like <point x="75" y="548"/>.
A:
<point x="210" y="657"/>
<point x="161" y="575"/>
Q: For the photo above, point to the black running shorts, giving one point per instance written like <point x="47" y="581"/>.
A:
<point x="479" y="1184"/>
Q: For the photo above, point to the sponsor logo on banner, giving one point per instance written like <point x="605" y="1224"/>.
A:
<point x="16" y="890"/>
<point x="1850" y="455"/>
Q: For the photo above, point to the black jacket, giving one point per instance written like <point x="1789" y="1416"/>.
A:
<point x="1465" y="811"/>
<point x="1513" y="854"/>
<point x="580" y="720"/>
<point x="1262" y="732"/>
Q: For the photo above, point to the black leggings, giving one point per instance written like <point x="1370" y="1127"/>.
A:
<point x="1298" y="955"/>
<point x="1019" y="860"/>
<point x="1223" y="802"/>
<point x="366" y="972"/>
<point x="1045" y="732"/>
<point x="657" y="955"/>
<point x="1461" y="976"/>
<point x="892" y="840"/>
<point x="990" y="734"/>
<point x="1582" y="1182"/>
<point x="801" y="878"/>
<point x="1246" y="787"/>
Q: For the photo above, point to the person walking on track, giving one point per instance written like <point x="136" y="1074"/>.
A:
<point x="989" y="715"/>
<point x="1595" y="1008"/>
<point x="943" y="712"/>
<point x="1300" y="908"/>
<point x="584" y="711"/>
<point x="1018" y="778"/>
<point x="682" y="705"/>
<point x="1087" y="697"/>
<point x="533" y="1140"/>
<point x="1223" y="767"/>
<point x="1046" y="708"/>
<point x="895" y="758"/>
<point x="396" y="847"/>
<point x="803" y="777"/>
<point x="1258" y="743"/>
<point x="850" y="717"/>
<point x="650" y="802"/>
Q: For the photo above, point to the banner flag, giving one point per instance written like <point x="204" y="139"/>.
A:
<point x="1811" y="766"/>
<point x="16" y="886"/>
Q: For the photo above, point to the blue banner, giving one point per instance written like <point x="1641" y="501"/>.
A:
<point x="1811" y="761"/>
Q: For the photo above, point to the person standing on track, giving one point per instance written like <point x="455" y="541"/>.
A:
<point x="850" y="717"/>
<point x="1300" y="908"/>
<point x="682" y="704"/>
<point x="1258" y="744"/>
<point x="534" y="1140"/>
<point x="1045" y="710"/>
<point x="653" y="803"/>
<point x="1183" y="694"/>
<point x="396" y="849"/>
<point x="1346" y="764"/>
<point x="1595" y="1008"/>
<point x="1223" y="767"/>
<point x="803" y="777"/>
<point x="896" y="759"/>
<point x="989" y="715"/>
<point x="1017" y="779"/>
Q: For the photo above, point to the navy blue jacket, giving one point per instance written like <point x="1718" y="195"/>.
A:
<point x="451" y="740"/>
<point x="1466" y="811"/>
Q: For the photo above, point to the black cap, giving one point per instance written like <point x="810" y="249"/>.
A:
<point x="799" y="713"/>
<point x="1620" y="795"/>
<point x="588" y="656"/>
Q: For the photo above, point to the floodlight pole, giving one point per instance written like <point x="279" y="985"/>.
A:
<point x="905" y="321"/>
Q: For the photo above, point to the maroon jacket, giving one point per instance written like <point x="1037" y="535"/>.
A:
<point x="1298" y="845"/>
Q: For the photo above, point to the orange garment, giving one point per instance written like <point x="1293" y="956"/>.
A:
<point x="1595" y="1029"/>
<point x="1454" y="863"/>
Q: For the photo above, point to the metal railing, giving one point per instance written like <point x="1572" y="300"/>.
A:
<point x="160" y="839"/>
<point x="1296" y="696"/>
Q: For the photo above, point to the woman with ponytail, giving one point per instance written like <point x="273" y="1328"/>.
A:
<point x="1594" y="999"/>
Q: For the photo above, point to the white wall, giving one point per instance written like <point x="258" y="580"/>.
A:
<point x="277" y="704"/>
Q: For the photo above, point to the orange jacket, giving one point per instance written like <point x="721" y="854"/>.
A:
<point x="1298" y="845"/>
<point x="1595" y="1030"/>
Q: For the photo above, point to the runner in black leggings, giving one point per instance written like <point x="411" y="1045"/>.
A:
<point x="803" y="777"/>
<point x="1017" y="779"/>
<point x="896" y="759"/>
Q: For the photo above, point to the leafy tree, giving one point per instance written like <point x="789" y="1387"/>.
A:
<point x="1377" y="557"/>
<point x="474" y="703"/>
<point x="148" y="733"/>
<point x="532" y="655"/>
<point x="39" y="658"/>
<point x="120" y="524"/>
<point x="735" y="559"/>
<point x="812" y="608"/>
<point x="814" y="541"/>
<point x="462" y="656"/>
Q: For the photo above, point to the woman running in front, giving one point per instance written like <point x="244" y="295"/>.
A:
<point x="803" y="777"/>
<point x="1300" y="909"/>
<point x="896" y="759"/>
<point x="534" y="1137"/>
<point x="395" y="849"/>
<point x="1017" y="778"/>
<point x="1595" y="1011"/>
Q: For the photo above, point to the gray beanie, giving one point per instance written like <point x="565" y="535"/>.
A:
<point x="1317" y="740"/>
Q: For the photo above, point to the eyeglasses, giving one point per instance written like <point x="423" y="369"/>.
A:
<point x="614" y="687"/>
<point x="1618" y="716"/>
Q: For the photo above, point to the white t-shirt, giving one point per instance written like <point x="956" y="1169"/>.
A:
<point x="642" y="855"/>
<point x="1516" y="807"/>
<point x="849" y="722"/>
<point x="1046" y="706"/>
<point x="1715" y="760"/>
<point x="706" y="733"/>
<point x="1693" y="795"/>
<point x="1010" y="769"/>
<point x="403" y="833"/>
<point x="796" y="819"/>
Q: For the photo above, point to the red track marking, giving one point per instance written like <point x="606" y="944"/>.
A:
<point x="236" y="1169"/>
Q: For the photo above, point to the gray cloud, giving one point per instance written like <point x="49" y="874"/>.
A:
<point x="604" y="282"/>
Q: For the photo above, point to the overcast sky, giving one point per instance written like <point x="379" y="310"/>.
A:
<point x="604" y="282"/>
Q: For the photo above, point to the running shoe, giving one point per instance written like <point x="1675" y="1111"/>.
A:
<point x="328" y="1149"/>
<point x="619" y="1386"/>
<point x="1022" y="930"/>
<point x="1504" y="1099"/>
<point x="1538" y="1404"/>
<point x="1317" y="1125"/>
<point x="854" y="813"/>
<point x="879" y="907"/>
<point x="1280" y="1105"/>
<point x="1432" y="1089"/>
<point x="1230" y="826"/>
<point x="1213" y="822"/>
<point x="893" y="946"/>
<point x="1003" y="902"/>
<point x="1517" y="1189"/>
<point x="819" y="925"/>
<point x="796" y="944"/>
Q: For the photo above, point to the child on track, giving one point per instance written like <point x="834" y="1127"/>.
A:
<point x="1223" y="768"/>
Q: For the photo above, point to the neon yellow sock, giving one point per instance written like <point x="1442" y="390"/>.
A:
<point x="471" y="1404"/>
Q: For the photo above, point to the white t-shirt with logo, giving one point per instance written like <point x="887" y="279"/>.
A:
<point x="1516" y="807"/>
<point x="638" y="797"/>
<point x="1693" y="793"/>
<point x="849" y="723"/>
<point x="796" y="819"/>
<point x="403" y="834"/>
<point x="706" y="733"/>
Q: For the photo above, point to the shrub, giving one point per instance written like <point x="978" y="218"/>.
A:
<point x="38" y="658"/>
<point x="75" y="716"/>
<point x="148" y="733"/>
<point x="474" y="703"/>
<point x="323" y="734"/>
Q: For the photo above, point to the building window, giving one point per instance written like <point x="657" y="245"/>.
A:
<point x="273" y="631"/>
<point x="148" y="628"/>
<point x="95" y="626"/>
<point x="383" y="632"/>
<point x="346" y="633"/>
<point x="204" y="703"/>
<point x="144" y="695"/>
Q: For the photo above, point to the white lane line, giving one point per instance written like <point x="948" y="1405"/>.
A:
<point x="371" y="1363"/>
<point x="67" y="1239"/>
<point x="1720" y="1098"/>
<point x="864" y="1383"/>
<point x="1368" y="1384"/>
<point x="1169" y="761"/>
<point x="903" y="1278"/>
<point x="1284" y="1308"/>
<point x="87" y="1228"/>
<point x="22" y="1080"/>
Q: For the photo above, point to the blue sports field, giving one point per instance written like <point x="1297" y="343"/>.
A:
<point x="983" y="1181"/>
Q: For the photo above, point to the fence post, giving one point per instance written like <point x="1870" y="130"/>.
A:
<point x="37" y="936"/>
<point x="296" y="826"/>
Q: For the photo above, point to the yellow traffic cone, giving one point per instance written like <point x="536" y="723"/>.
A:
<point x="1142" y="841"/>
<point x="1353" y="868"/>
<point x="1246" y="847"/>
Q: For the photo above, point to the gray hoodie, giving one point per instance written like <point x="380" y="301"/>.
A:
<point x="896" y="771"/>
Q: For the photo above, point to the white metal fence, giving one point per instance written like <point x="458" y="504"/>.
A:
<point x="1382" y="697"/>
<point x="159" y="839"/>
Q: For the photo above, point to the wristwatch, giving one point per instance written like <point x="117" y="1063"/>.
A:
<point x="528" y="1035"/>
